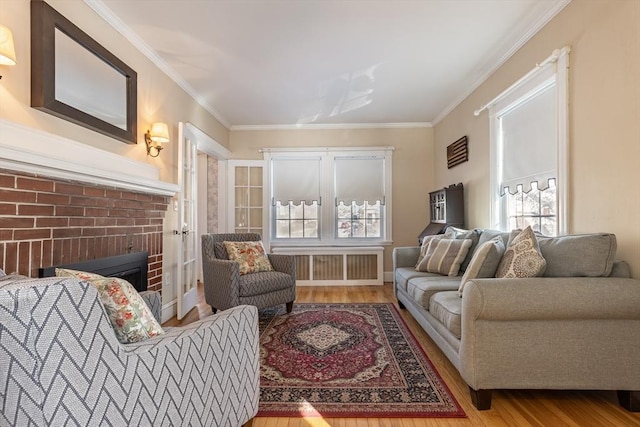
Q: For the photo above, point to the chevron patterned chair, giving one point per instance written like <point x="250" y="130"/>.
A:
<point x="225" y="287"/>
<point x="61" y="363"/>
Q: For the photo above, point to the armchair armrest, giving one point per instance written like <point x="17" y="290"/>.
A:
<point x="283" y="263"/>
<point x="405" y="256"/>
<point x="221" y="282"/>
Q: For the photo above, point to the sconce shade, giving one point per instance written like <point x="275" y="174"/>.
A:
<point x="7" y="49"/>
<point x="159" y="132"/>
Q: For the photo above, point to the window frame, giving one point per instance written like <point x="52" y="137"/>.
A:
<point x="555" y="69"/>
<point x="328" y="209"/>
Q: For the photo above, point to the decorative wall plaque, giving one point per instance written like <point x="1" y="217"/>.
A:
<point x="457" y="152"/>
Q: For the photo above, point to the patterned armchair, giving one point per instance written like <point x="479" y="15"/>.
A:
<point x="61" y="363"/>
<point x="224" y="287"/>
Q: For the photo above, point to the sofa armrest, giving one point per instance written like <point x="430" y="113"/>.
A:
<point x="570" y="333"/>
<point x="543" y="298"/>
<point x="153" y="299"/>
<point x="405" y="256"/>
<point x="210" y="354"/>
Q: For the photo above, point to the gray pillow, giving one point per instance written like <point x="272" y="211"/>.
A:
<point x="484" y="262"/>
<point x="578" y="255"/>
<point x="474" y="236"/>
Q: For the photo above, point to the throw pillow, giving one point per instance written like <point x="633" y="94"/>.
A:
<point x="449" y="234"/>
<point x="425" y="246"/>
<point x="82" y="275"/>
<point x="522" y="258"/>
<point x="444" y="256"/>
<point x="484" y="262"/>
<point x="130" y="317"/>
<point x="474" y="235"/>
<point x="250" y="256"/>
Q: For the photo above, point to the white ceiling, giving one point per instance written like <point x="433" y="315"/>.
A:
<point x="256" y="63"/>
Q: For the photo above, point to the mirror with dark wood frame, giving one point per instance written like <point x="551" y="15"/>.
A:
<point x="77" y="79"/>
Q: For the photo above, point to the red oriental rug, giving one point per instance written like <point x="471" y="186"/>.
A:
<point x="347" y="360"/>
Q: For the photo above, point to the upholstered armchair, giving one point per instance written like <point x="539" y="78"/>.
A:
<point x="225" y="287"/>
<point x="61" y="363"/>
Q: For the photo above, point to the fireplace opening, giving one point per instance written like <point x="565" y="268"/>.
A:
<point x="130" y="267"/>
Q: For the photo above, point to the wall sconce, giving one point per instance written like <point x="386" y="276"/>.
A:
<point x="7" y="49"/>
<point x="154" y="138"/>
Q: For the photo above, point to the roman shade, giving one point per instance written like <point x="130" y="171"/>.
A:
<point x="295" y="180"/>
<point x="359" y="179"/>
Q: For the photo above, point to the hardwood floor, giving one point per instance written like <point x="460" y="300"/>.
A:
<point x="509" y="408"/>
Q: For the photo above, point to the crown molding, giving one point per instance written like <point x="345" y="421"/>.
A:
<point x="533" y="29"/>
<point x="309" y="126"/>
<point x="105" y="13"/>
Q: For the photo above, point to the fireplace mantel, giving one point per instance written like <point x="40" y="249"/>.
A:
<point x="34" y="151"/>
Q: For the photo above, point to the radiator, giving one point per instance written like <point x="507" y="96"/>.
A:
<point x="337" y="265"/>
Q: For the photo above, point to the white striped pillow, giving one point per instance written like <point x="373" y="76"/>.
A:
<point x="444" y="256"/>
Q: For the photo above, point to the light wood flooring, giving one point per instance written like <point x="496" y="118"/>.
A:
<point x="549" y="408"/>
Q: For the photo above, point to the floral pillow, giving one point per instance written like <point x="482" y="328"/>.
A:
<point x="82" y="275"/>
<point x="250" y="256"/>
<point x="130" y="317"/>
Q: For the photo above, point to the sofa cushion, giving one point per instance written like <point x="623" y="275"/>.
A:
<point x="263" y="282"/>
<point x="485" y="261"/>
<point x="250" y="256"/>
<point x="522" y="258"/>
<point x="446" y="307"/>
<point x="420" y="289"/>
<point x="589" y="255"/>
<point x="404" y="274"/>
<point x="444" y="256"/>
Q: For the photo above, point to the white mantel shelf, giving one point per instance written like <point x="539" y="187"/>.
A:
<point x="30" y="150"/>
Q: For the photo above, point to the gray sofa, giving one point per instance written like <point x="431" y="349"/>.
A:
<point x="576" y="327"/>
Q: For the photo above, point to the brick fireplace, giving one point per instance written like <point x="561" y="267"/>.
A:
<point x="46" y="221"/>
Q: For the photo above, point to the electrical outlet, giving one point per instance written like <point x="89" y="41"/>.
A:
<point x="167" y="278"/>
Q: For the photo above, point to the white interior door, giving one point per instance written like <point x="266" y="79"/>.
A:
<point x="187" y="283"/>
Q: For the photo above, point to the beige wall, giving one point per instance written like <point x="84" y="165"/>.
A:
<point x="604" y="121"/>
<point x="413" y="176"/>
<point x="159" y="99"/>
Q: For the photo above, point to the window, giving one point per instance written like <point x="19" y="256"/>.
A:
<point x="330" y="196"/>
<point x="528" y="146"/>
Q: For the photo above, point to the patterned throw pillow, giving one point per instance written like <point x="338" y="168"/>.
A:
<point x="522" y="258"/>
<point x="250" y="256"/>
<point x="425" y="245"/>
<point x="130" y="317"/>
<point x="448" y="234"/>
<point x="484" y="262"/>
<point x="82" y="275"/>
<point x="444" y="256"/>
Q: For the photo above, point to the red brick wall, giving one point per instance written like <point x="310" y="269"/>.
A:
<point x="46" y="222"/>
